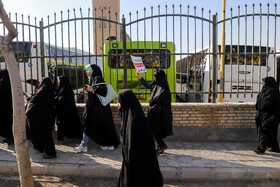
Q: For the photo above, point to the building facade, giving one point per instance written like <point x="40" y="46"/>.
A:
<point x="103" y="29"/>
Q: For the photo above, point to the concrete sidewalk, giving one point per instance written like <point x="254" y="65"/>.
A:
<point x="182" y="161"/>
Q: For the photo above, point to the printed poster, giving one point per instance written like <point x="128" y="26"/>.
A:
<point x="138" y="64"/>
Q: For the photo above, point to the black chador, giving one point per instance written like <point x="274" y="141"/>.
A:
<point x="140" y="164"/>
<point x="40" y="117"/>
<point x="6" y="107"/>
<point x="67" y="118"/>
<point x="98" y="120"/>
<point x="268" y="116"/>
<point x="159" y="114"/>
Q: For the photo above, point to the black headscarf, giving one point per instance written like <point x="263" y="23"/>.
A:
<point x="46" y="85"/>
<point x="270" y="83"/>
<point x="160" y="86"/>
<point x="96" y="71"/>
<point x="64" y="87"/>
<point x="129" y="104"/>
<point x="140" y="165"/>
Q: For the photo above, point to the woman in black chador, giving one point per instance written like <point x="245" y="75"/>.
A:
<point x="40" y="117"/>
<point x="97" y="120"/>
<point x="159" y="114"/>
<point x="6" y="107"/>
<point x="140" y="164"/>
<point x="67" y="118"/>
<point x="268" y="116"/>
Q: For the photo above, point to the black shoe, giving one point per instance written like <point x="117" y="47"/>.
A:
<point x="49" y="156"/>
<point x="258" y="151"/>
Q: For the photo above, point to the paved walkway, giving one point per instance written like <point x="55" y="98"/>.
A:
<point x="182" y="161"/>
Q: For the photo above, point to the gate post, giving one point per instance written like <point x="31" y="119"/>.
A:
<point x="124" y="54"/>
<point x="42" y="49"/>
<point x="214" y="64"/>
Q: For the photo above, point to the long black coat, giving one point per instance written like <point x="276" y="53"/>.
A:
<point x="6" y="106"/>
<point x="268" y="104"/>
<point x="140" y="164"/>
<point x="160" y="115"/>
<point x="268" y="114"/>
<point x="40" y="117"/>
<point x="98" y="120"/>
<point x="67" y="117"/>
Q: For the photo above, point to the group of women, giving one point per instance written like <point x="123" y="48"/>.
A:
<point x="47" y="106"/>
<point x="140" y="164"/>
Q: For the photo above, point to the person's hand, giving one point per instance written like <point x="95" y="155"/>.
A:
<point x="88" y="88"/>
<point x="138" y="75"/>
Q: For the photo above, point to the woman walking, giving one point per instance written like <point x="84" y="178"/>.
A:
<point x="140" y="164"/>
<point x="268" y="116"/>
<point x="159" y="114"/>
<point x="40" y="117"/>
<point x="97" y="120"/>
<point x="67" y="119"/>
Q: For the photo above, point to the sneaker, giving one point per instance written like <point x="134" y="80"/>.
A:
<point x="104" y="147"/>
<point x="110" y="148"/>
<point x="80" y="149"/>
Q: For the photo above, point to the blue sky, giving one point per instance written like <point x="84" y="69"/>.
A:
<point x="43" y="8"/>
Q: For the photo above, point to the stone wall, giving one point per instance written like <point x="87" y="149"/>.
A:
<point x="229" y="115"/>
<point x="206" y="121"/>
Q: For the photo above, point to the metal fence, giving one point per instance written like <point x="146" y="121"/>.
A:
<point x="63" y="44"/>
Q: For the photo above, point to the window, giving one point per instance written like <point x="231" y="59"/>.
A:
<point x="22" y="51"/>
<point x="151" y="58"/>
<point x="256" y="55"/>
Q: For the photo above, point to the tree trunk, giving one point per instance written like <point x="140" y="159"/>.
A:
<point x="19" y="131"/>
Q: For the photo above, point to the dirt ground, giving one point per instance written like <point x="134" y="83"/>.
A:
<point x="67" y="181"/>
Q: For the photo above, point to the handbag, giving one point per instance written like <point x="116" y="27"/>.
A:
<point x="111" y="94"/>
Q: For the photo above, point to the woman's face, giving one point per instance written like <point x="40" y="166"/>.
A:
<point x="58" y="81"/>
<point x="88" y="73"/>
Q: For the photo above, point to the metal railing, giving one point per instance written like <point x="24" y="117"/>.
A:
<point x="68" y="44"/>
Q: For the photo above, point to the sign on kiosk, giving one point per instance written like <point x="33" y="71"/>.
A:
<point x="138" y="64"/>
